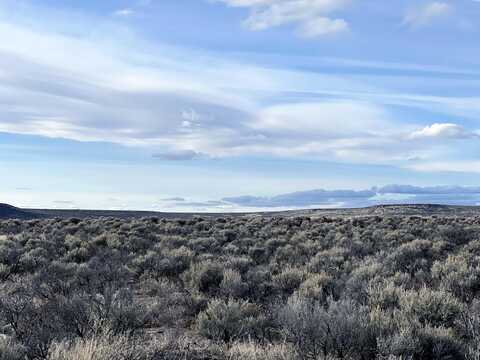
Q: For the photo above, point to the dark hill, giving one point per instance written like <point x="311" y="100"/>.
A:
<point x="11" y="212"/>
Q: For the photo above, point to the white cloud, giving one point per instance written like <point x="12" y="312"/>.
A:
<point x="137" y="8"/>
<point x="183" y="155"/>
<point x="123" y="12"/>
<point x="323" y="26"/>
<point x="309" y="199"/>
<point x="246" y="3"/>
<point x="173" y="105"/>
<point x="427" y="14"/>
<point x="442" y="131"/>
<point x="311" y="16"/>
<point x="332" y="119"/>
<point x="181" y="103"/>
<point x="390" y="194"/>
<point x="190" y="116"/>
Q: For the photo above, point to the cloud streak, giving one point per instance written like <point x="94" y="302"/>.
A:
<point x="428" y="14"/>
<point x="390" y="194"/>
<point x="185" y="155"/>
<point x="311" y="16"/>
<point x="123" y="12"/>
<point x="443" y="131"/>
<point x="213" y="106"/>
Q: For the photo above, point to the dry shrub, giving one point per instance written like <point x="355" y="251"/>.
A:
<point x="432" y="307"/>
<point x="289" y="280"/>
<point x="177" y="346"/>
<point x="232" y="284"/>
<point x="318" y="287"/>
<point x="99" y="348"/>
<point x="254" y="351"/>
<point x="10" y="350"/>
<point x="169" y="346"/>
<point x="230" y="320"/>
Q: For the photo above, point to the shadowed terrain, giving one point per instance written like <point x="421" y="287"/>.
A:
<point x="11" y="212"/>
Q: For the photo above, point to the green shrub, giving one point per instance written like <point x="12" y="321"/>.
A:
<point x="459" y="274"/>
<point x="421" y="343"/>
<point x="431" y="307"/>
<point x="232" y="285"/>
<point x="205" y="278"/>
<point x="288" y="280"/>
<point x="410" y="258"/>
<point x="317" y="287"/>
<point x="332" y="261"/>
<point x="384" y="295"/>
<point x="341" y="329"/>
<point x="242" y="287"/>
<point x="230" y="320"/>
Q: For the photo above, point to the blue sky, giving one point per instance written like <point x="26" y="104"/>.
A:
<point x="133" y="104"/>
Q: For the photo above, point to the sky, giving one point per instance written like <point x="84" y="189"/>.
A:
<point x="223" y="105"/>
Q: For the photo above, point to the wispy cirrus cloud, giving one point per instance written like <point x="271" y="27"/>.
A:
<point x="428" y="13"/>
<point x="471" y="166"/>
<point x="184" y="155"/>
<point x="123" y="12"/>
<point x="182" y="109"/>
<point x="312" y="17"/>
<point x="136" y="7"/>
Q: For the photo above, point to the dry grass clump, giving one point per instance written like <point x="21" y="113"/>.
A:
<point x="10" y="350"/>
<point x="254" y="351"/>
<point x="99" y="348"/>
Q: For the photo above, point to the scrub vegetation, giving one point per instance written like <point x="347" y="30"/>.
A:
<point x="241" y="288"/>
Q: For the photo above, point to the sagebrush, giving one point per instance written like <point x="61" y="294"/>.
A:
<point x="241" y="288"/>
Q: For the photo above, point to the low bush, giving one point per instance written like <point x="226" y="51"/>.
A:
<point x="241" y="288"/>
<point x="230" y="320"/>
